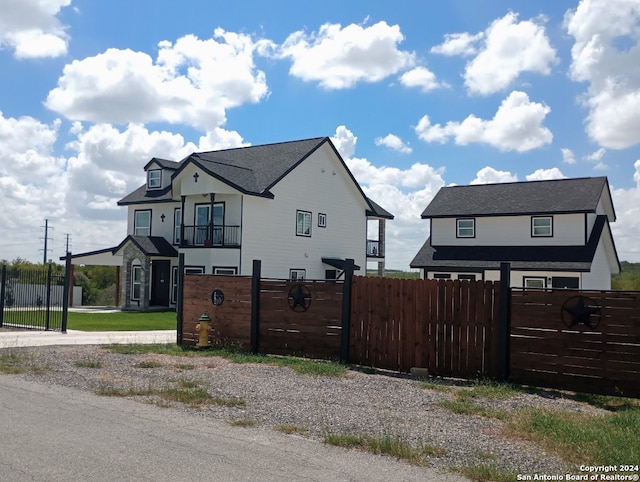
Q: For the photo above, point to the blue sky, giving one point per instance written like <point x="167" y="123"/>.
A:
<point x="415" y="95"/>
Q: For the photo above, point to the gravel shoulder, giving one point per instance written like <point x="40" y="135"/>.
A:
<point x="270" y="397"/>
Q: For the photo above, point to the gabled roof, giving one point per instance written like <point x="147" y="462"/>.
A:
<point x="251" y="170"/>
<point x="150" y="246"/>
<point x="255" y="169"/>
<point x="557" y="196"/>
<point x="163" y="163"/>
<point x="570" y="258"/>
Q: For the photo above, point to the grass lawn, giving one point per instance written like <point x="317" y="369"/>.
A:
<point x="122" y="321"/>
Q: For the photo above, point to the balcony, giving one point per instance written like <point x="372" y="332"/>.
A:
<point x="375" y="249"/>
<point x="211" y="236"/>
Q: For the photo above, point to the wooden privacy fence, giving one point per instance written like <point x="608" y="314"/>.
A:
<point x="582" y="341"/>
<point x="448" y="327"/>
<point x="565" y="339"/>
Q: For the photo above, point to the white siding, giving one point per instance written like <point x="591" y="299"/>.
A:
<point x="185" y="184"/>
<point x="158" y="227"/>
<point x="568" y="229"/>
<point x="599" y="278"/>
<point x="320" y="184"/>
<point x="208" y="258"/>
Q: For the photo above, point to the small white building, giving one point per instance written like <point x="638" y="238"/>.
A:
<point x="293" y="205"/>
<point x="555" y="234"/>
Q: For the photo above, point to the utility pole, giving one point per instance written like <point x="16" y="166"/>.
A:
<point x="46" y="239"/>
<point x="68" y="242"/>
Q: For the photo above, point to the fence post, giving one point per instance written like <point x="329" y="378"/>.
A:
<point x="3" y="282"/>
<point x="65" y="292"/>
<point x="180" y="295"/>
<point x="255" y="306"/>
<point x="345" y="335"/>
<point x="504" y="324"/>
<point x="48" y="300"/>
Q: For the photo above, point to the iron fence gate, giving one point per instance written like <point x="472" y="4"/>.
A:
<point x="34" y="299"/>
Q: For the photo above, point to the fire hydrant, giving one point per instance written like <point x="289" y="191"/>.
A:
<point x="204" y="327"/>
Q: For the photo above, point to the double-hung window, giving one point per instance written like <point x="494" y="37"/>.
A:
<point x="465" y="228"/>
<point x="542" y="226"/>
<point x="136" y="282"/>
<point x="303" y="223"/>
<point x="142" y="223"/>
<point x="177" y="220"/>
<point x="154" y="179"/>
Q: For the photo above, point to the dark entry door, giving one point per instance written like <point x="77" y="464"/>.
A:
<point x="160" y="278"/>
<point x="565" y="282"/>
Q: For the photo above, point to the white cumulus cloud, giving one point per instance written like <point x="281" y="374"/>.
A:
<point x="516" y="126"/>
<point x="191" y="82"/>
<point x="32" y="28"/>
<point x="340" y="57"/>
<point x="546" y="174"/>
<point x="489" y="175"/>
<point x="393" y="142"/>
<point x="606" y="55"/>
<point x="422" y="78"/>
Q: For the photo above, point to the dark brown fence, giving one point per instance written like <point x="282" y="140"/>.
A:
<point x="448" y="327"/>
<point x="231" y="320"/>
<point x="582" y="341"/>
<point x="294" y="321"/>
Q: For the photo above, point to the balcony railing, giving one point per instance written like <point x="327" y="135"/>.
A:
<point x="375" y="249"/>
<point x="211" y="236"/>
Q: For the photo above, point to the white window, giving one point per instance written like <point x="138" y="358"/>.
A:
<point x="136" y="282"/>
<point x="441" y="276"/>
<point x="535" y="282"/>
<point x="303" y="223"/>
<point x="177" y="220"/>
<point x="465" y="228"/>
<point x="542" y="226"/>
<point x="297" y="274"/>
<point x="142" y="223"/>
<point x="322" y="220"/>
<point x="154" y="179"/>
<point x="224" y="271"/>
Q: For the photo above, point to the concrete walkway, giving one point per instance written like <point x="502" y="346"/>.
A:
<point x="9" y="339"/>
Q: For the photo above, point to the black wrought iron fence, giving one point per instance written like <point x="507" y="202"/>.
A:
<point x="34" y="298"/>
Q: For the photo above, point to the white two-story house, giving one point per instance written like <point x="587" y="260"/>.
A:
<point x="555" y="234"/>
<point x="293" y="205"/>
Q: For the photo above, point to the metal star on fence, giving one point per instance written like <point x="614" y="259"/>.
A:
<point x="299" y="298"/>
<point x="580" y="310"/>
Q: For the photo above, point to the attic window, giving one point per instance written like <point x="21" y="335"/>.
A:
<point x="154" y="179"/>
<point x="542" y="226"/>
<point x="465" y="228"/>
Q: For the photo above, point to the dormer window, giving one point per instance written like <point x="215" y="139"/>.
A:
<point x="154" y="179"/>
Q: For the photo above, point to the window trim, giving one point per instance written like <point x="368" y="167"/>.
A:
<point x="177" y="225"/>
<point x="467" y="276"/>
<point x="136" y="268"/>
<point x="473" y="228"/>
<point x="525" y="279"/>
<point x="441" y="275"/>
<point x="297" y="271"/>
<point x="307" y="215"/>
<point x="215" y="269"/>
<point x="135" y="219"/>
<point x="534" y="219"/>
<point x="322" y="220"/>
<point x="149" y="179"/>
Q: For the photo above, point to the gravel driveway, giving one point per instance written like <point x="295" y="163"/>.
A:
<point x="271" y="397"/>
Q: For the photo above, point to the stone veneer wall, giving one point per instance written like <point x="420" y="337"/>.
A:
<point x="130" y="253"/>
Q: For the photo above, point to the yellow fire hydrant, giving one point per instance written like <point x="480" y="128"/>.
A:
<point x="203" y="328"/>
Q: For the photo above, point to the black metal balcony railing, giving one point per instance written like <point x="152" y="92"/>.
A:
<point x="211" y="236"/>
<point x="375" y="249"/>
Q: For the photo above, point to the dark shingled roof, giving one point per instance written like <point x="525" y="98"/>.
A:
<point x="251" y="170"/>
<point x="255" y="169"/>
<point x="377" y="211"/>
<point x="570" y="258"/>
<point x="533" y="197"/>
<point x="150" y="246"/>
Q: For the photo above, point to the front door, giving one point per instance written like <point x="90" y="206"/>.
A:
<point x="160" y="282"/>
<point x="202" y="223"/>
